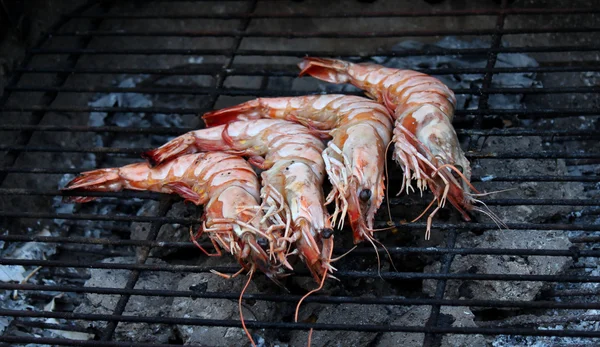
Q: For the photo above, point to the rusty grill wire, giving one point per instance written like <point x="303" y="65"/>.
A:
<point x="51" y="56"/>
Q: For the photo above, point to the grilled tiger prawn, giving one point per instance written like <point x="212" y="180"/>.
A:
<point x="426" y="144"/>
<point x="354" y="158"/>
<point x="225" y="184"/>
<point x="292" y="180"/>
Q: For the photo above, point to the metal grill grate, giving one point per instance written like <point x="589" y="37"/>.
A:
<point x="246" y="48"/>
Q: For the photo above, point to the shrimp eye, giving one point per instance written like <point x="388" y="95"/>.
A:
<point x="326" y="233"/>
<point x="365" y="195"/>
<point x="459" y="168"/>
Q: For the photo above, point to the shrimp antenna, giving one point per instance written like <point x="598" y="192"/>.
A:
<point x="240" y="307"/>
<point x="370" y="239"/>
<point x="488" y="212"/>
<point x="497" y="222"/>
<point x="453" y="168"/>
<point x="425" y="211"/>
<point x="384" y="229"/>
<point x="388" y="254"/>
<point x="310" y="337"/>
<point x="333" y="260"/>
<point x="314" y="290"/>
<point x="493" y="214"/>
<point x="493" y="192"/>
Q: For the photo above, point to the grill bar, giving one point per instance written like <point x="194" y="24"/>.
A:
<point x="139" y="151"/>
<point x="433" y="321"/>
<point x="178" y="131"/>
<point x="539" y="178"/>
<point x="435" y="13"/>
<point x="341" y="274"/>
<point x="491" y="62"/>
<point x="337" y="34"/>
<point x="157" y="196"/>
<point x="397" y="224"/>
<point x="253" y="92"/>
<point x="303" y="326"/>
<point x="396" y="300"/>
<point x="41" y="325"/>
<point x="292" y="71"/>
<point x="359" y="251"/>
<point x="508" y="112"/>
<point x="69" y="342"/>
<point x="300" y="54"/>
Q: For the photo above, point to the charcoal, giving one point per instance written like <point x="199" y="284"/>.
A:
<point x="503" y="264"/>
<point x="217" y="309"/>
<point x="167" y="232"/>
<point x="418" y="316"/>
<point x="340" y="314"/>
<point x="140" y="306"/>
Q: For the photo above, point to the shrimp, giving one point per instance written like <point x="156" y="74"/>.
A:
<point x="354" y="158"/>
<point x="292" y="180"/>
<point x="425" y="143"/>
<point x="225" y="184"/>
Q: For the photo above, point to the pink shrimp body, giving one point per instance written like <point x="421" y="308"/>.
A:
<point x="426" y="145"/>
<point x="360" y="129"/>
<point x="225" y="184"/>
<point x="292" y="182"/>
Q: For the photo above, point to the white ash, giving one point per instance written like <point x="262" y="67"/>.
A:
<point x="591" y="78"/>
<point x="195" y="60"/>
<point x="57" y="201"/>
<point x="541" y="341"/>
<point x="7" y="302"/>
<point x="30" y="250"/>
<point x="503" y="264"/>
<point x="418" y="316"/>
<point x="15" y="300"/>
<point x="73" y="335"/>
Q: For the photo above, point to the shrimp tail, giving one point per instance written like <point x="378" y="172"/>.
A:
<point x="101" y="179"/>
<point x="245" y="111"/>
<point x="329" y="70"/>
<point x="204" y="140"/>
<point x="174" y="148"/>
